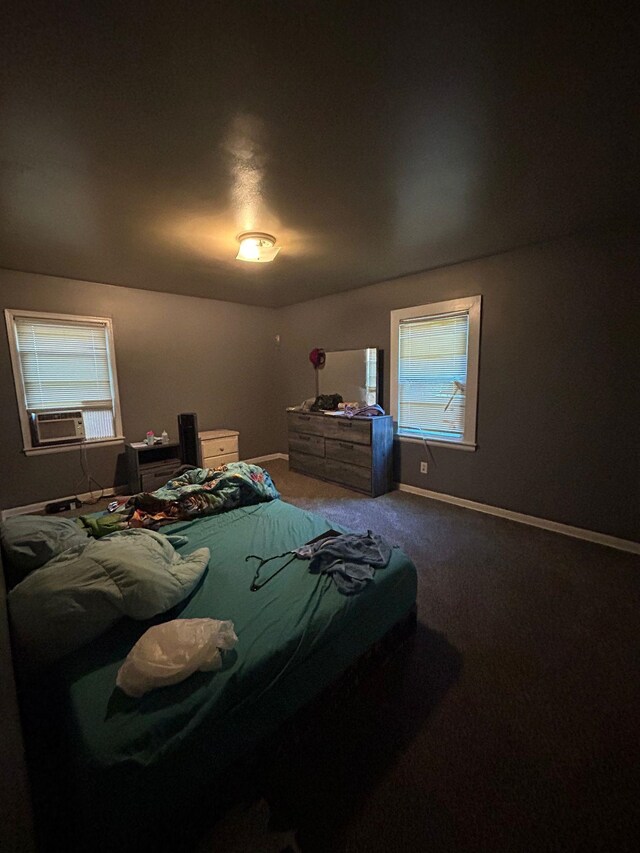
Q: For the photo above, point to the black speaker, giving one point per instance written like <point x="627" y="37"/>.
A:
<point x="189" y="443"/>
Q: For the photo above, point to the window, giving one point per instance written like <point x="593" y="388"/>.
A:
<point x="434" y="371"/>
<point x="63" y="363"/>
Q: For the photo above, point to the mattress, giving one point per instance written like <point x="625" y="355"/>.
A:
<point x="296" y="634"/>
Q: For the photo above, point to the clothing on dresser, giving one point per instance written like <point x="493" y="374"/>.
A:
<point x="363" y="411"/>
<point x="326" y="403"/>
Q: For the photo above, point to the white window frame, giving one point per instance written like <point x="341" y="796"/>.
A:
<point x="29" y="448"/>
<point x="472" y="305"/>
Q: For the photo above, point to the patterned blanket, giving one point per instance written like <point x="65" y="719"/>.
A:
<point x="205" y="491"/>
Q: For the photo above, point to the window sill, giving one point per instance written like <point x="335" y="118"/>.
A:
<point x="437" y="442"/>
<point x="65" y="448"/>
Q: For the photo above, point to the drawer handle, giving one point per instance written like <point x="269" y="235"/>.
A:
<point x="304" y="417"/>
<point x="304" y="438"/>
<point x="345" y="424"/>
<point x="345" y="445"/>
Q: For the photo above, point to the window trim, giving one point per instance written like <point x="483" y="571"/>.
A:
<point x="11" y="314"/>
<point x="473" y="305"/>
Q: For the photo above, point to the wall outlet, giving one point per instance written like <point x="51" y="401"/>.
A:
<point x="424" y="467"/>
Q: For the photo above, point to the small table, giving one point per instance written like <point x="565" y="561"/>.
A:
<point x="149" y="466"/>
<point x="218" y="446"/>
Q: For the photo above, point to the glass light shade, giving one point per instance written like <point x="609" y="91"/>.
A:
<point x="257" y="248"/>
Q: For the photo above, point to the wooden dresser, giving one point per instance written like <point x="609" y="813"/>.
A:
<point x="218" y="446"/>
<point x="355" y="452"/>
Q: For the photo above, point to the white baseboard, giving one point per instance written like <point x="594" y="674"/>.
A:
<point x="531" y="520"/>
<point x="520" y="517"/>
<point x="38" y="507"/>
<point x="267" y="458"/>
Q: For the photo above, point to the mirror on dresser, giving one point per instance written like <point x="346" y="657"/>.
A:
<point x="354" y="374"/>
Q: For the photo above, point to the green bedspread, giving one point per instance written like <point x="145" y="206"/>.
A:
<point x="295" y="636"/>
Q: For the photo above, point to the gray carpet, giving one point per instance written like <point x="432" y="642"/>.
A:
<point x="511" y="722"/>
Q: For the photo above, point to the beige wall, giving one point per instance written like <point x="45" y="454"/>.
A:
<point x="174" y="354"/>
<point x="558" y="410"/>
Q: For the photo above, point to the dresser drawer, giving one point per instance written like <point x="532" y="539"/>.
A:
<point x="349" y="451"/>
<point x="353" y="476"/>
<point x="307" y="464"/>
<point x="299" y="422"/>
<point x="219" y="446"/>
<point x="349" y="475"/>
<point x="347" y="429"/>
<point x="216" y="461"/>
<point x="313" y="444"/>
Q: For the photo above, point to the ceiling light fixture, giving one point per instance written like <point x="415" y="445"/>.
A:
<point x="257" y="247"/>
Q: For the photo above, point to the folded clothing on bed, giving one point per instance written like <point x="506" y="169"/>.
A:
<point x="85" y="590"/>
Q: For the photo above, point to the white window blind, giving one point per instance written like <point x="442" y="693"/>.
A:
<point x="66" y="365"/>
<point x="432" y="375"/>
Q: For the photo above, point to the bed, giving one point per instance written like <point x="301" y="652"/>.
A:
<point x="133" y="766"/>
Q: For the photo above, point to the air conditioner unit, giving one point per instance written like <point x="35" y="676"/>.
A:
<point x="57" y="427"/>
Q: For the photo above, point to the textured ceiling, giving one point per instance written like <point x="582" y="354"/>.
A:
<point x="373" y="139"/>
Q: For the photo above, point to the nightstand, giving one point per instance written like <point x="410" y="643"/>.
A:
<point x="218" y="446"/>
<point x="150" y="466"/>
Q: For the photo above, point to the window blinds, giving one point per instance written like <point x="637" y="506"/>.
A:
<point x="432" y="358"/>
<point x="65" y="365"/>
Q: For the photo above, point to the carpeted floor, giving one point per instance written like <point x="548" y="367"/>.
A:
<point x="509" y="723"/>
<point x="512" y="721"/>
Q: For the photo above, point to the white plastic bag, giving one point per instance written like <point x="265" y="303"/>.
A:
<point x="171" y="652"/>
